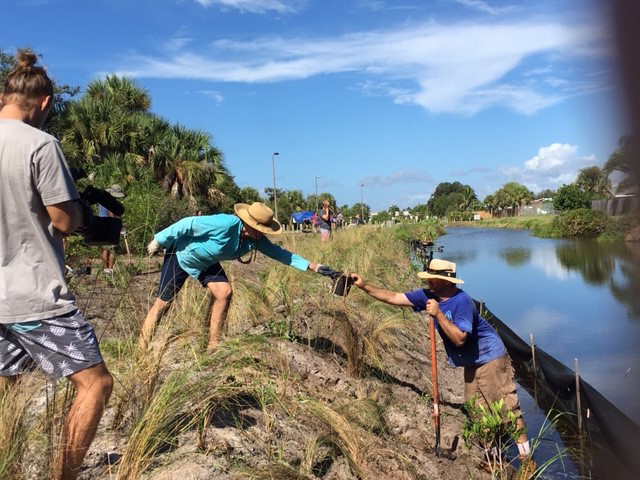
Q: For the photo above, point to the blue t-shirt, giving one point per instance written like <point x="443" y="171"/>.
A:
<point x="483" y="343"/>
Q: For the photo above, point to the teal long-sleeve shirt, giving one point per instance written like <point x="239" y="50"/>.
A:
<point x="201" y="241"/>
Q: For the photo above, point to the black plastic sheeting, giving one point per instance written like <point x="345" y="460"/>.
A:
<point x="605" y="422"/>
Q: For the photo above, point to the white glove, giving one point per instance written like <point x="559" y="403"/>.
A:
<point x="153" y="247"/>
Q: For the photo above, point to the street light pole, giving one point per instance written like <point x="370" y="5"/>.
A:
<point x="317" y="199"/>
<point x="275" y="193"/>
<point x="361" y="204"/>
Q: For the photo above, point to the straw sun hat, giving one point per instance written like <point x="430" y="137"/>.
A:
<point x="258" y="216"/>
<point x="116" y="191"/>
<point x="441" y="269"/>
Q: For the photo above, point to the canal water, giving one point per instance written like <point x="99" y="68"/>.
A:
<point x="580" y="299"/>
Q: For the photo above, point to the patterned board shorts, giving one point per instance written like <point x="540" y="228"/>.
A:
<point x="61" y="346"/>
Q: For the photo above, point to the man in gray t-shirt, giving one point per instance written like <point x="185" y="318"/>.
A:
<point x="40" y="325"/>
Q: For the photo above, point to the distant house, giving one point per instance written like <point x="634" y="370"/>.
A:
<point x="481" y="215"/>
<point x="540" y="206"/>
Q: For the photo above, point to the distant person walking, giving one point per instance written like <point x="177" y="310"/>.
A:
<point x="324" y="221"/>
<point x="108" y="255"/>
<point x="339" y="220"/>
<point x="195" y="246"/>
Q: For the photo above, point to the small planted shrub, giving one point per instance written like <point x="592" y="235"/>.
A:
<point x="492" y="429"/>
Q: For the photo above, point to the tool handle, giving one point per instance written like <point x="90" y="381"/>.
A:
<point x="434" y="377"/>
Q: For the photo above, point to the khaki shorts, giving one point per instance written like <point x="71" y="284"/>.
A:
<point x="490" y="382"/>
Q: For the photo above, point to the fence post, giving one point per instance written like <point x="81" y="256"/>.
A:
<point x="535" y="370"/>
<point x="533" y="355"/>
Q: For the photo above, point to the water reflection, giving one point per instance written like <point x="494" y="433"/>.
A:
<point x="516" y="257"/>
<point x="616" y="265"/>
<point x="460" y="257"/>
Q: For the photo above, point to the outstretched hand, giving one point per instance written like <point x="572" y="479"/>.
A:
<point x="358" y="281"/>
<point x="327" y="271"/>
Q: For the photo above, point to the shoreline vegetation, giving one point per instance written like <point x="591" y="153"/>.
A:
<point x="581" y="223"/>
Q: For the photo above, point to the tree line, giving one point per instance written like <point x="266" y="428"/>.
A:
<point x="110" y="132"/>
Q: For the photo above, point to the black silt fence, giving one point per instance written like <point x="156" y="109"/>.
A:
<point x="602" y="420"/>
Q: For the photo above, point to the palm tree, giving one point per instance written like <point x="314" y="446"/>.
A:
<point x="105" y="121"/>
<point x="490" y="203"/>
<point x="621" y="160"/>
<point x="595" y="181"/>
<point x="468" y="198"/>
<point x="123" y="91"/>
<point x="189" y="166"/>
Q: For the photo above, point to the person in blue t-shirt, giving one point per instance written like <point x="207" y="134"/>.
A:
<point x="196" y="245"/>
<point x="469" y="340"/>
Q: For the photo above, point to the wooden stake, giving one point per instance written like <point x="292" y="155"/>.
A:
<point x="579" y="407"/>
<point x="533" y="354"/>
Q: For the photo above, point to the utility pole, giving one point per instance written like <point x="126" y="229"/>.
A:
<point x="361" y="203"/>
<point x="275" y="193"/>
<point x="317" y="199"/>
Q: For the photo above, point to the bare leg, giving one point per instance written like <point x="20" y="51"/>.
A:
<point x="221" y="300"/>
<point x="93" y="388"/>
<point x="105" y="258"/>
<point x="149" y="325"/>
<point x="111" y="259"/>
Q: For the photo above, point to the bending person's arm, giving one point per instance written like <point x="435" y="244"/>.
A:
<point x="284" y="256"/>
<point x="398" y="299"/>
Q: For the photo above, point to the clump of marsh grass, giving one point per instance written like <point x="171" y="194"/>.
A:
<point x="15" y="400"/>
<point x="367" y="413"/>
<point x="158" y="426"/>
<point x="343" y="435"/>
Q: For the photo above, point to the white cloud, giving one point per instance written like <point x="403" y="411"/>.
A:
<point x="464" y="173"/>
<point x="552" y="156"/>
<point x="485" y="7"/>
<point x="257" y="6"/>
<point x="214" y="95"/>
<point x="398" y="177"/>
<point x="462" y="68"/>
<point x="553" y="166"/>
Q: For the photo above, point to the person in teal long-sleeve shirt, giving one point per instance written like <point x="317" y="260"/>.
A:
<point x="196" y="245"/>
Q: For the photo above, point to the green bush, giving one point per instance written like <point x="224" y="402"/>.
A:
<point x="617" y="228"/>
<point x="148" y="209"/>
<point x="570" y="197"/>
<point x="583" y="222"/>
<point x="425" y="231"/>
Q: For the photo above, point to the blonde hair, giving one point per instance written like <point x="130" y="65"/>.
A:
<point x="26" y="83"/>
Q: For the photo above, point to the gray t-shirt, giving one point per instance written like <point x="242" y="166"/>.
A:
<point x="33" y="174"/>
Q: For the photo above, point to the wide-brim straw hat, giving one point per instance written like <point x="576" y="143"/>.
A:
<point x="441" y="269"/>
<point x="116" y="191"/>
<point x="258" y="216"/>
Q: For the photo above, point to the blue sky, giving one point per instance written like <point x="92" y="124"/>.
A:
<point x="396" y="95"/>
